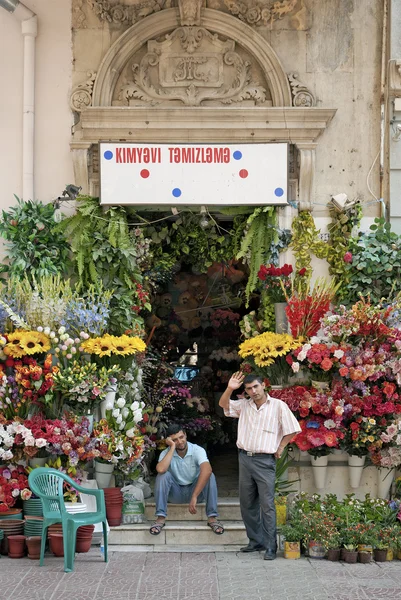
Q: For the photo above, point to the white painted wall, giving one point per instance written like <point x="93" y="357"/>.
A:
<point x="53" y="119"/>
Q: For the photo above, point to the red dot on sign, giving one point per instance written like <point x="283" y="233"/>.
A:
<point x="243" y="173"/>
<point x="145" y="173"/>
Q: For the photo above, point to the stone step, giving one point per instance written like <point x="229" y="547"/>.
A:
<point x="178" y="533"/>
<point x="229" y="510"/>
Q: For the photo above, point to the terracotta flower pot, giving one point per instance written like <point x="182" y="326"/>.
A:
<point x="33" y="544"/>
<point x="56" y="544"/>
<point x="83" y="545"/>
<point x="333" y="554"/>
<point x="380" y="555"/>
<point x="350" y="556"/>
<point x="16" y="546"/>
<point x="12" y="513"/>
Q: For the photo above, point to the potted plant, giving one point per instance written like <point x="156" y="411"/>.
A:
<point x="365" y="534"/>
<point x="350" y="544"/>
<point x="293" y="533"/>
<point x="333" y="543"/>
<point x="380" y="543"/>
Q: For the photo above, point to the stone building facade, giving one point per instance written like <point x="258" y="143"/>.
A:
<point x="307" y="72"/>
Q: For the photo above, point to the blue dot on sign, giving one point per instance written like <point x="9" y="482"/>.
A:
<point x="237" y="155"/>
<point x="176" y="192"/>
<point x="278" y="192"/>
<point x="108" y="155"/>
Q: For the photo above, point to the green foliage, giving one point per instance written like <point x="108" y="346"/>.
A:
<point x="293" y="532"/>
<point x="305" y="242"/>
<point x="104" y="253"/>
<point x="283" y="487"/>
<point x="266" y="311"/>
<point x="186" y="241"/>
<point x="340" y="230"/>
<point x="34" y="247"/>
<point x="376" y="264"/>
<point x="260" y="234"/>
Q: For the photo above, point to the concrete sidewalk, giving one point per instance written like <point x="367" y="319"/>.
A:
<point x="196" y="576"/>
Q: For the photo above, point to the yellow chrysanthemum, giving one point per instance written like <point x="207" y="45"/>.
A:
<point x="266" y="347"/>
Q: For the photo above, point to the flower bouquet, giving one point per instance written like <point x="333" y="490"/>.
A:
<point x="265" y="348"/>
<point x="276" y="280"/>
<point x="114" y="351"/>
<point x="363" y="436"/>
<point x="319" y="436"/>
<point x="305" y="307"/>
<point x="13" y="485"/>
<point x="117" y="448"/>
<point x="83" y="386"/>
<point x="321" y="359"/>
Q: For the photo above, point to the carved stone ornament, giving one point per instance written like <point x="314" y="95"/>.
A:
<point x="78" y="15"/>
<point x="126" y="14"/>
<point x="192" y="65"/>
<point x="260" y="12"/>
<point x="190" y="11"/>
<point x="81" y="97"/>
<point x="301" y="96"/>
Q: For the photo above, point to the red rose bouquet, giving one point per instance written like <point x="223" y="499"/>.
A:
<point x="275" y="280"/>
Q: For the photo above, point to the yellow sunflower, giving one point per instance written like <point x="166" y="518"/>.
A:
<point x="13" y="348"/>
<point x="43" y="341"/>
<point x="34" y="342"/>
<point x="102" y="346"/>
<point x="125" y="345"/>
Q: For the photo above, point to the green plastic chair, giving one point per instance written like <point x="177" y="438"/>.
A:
<point x="47" y="484"/>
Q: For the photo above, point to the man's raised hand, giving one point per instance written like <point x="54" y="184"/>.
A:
<point x="236" y="380"/>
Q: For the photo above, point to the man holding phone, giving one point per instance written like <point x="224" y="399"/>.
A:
<point x="184" y="475"/>
<point x="266" y="425"/>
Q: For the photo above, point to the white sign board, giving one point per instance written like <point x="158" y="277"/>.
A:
<point x="174" y="174"/>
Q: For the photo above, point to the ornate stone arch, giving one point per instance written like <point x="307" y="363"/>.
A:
<point x="164" y="22"/>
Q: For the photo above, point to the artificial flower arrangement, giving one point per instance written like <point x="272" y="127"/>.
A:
<point x="13" y="485"/>
<point x="226" y="354"/>
<point x="224" y="318"/>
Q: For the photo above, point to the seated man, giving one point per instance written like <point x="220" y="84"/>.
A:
<point x="184" y="476"/>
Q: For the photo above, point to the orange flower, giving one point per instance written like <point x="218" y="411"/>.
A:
<point x="344" y="371"/>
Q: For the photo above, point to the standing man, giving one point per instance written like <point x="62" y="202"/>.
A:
<point x="266" y="425"/>
<point x="184" y="476"/>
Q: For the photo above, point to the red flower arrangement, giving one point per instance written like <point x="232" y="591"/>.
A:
<point x="321" y="358"/>
<point x="319" y="436"/>
<point x="276" y="280"/>
<point x="13" y="484"/>
<point x="304" y="311"/>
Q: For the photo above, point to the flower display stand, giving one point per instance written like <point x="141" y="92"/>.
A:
<point x="319" y="469"/>
<point x="355" y="469"/>
<point x="281" y="317"/>
<point x="384" y="480"/>
<point x="103" y="473"/>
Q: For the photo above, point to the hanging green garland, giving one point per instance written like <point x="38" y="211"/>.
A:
<point x="340" y="230"/>
<point x="305" y="243"/>
<point x="260" y="232"/>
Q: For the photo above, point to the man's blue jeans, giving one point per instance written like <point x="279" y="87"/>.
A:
<point x="168" y="490"/>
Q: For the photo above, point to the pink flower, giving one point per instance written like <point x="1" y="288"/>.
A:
<point x="348" y="257"/>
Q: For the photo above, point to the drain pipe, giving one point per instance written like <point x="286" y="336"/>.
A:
<point x="29" y="29"/>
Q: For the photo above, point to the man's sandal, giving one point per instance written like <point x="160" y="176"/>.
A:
<point x="156" y="528"/>
<point x="216" y="527"/>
